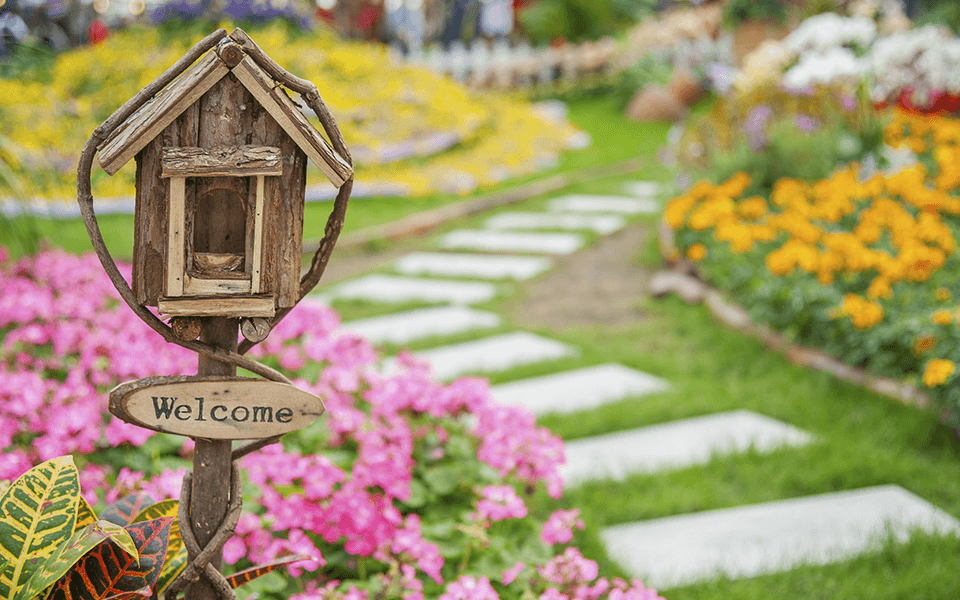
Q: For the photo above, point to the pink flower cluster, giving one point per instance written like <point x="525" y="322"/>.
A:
<point x="344" y="486"/>
<point x="558" y="529"/>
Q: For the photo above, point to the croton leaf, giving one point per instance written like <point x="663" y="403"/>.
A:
<point x="123" y="511"/>
<point x="85" y="515"/>
<point x="68" y="553"/>
<point x="143" y="592"/>
<point x="37" y="513"/>
<point x="176" y="560"/>
<point x="248" y="575"/>
<point x="108" y="571"/>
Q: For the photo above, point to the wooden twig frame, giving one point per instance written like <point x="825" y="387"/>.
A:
<point x="311" y="96"/>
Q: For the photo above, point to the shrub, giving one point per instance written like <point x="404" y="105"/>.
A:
<point x="864" y="267"/>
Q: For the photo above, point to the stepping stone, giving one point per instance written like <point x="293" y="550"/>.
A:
<point x="492" y="354"/>
<point x="644" y="189"/>
<point x="762" y="538"/>
<point x="404" y="327"/>
<point x="579" y="389"/>
<point x="485" y="266"/>
<point x="604" y="204"/>
<point x="511" y="241"/>
<point x="601" y="224"/>
<point x="676" y="445"/>
<point x="393" y="289"/>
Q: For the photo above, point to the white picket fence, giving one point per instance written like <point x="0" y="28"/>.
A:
<point x="482" y="64"/>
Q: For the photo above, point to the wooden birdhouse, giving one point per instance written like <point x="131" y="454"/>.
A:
<point x="221" y="155"/>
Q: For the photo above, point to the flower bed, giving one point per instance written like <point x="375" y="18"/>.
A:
<point x="405" y="488"/>
<point x="378" y="105"/>
<point x="864" y="268"/>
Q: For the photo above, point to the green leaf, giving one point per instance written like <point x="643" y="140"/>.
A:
<point x="123" y="511"/>
<point x="176" y="559"/>
<point x="244" y="577"/>
<point x="443" y="479"/>
<point x="85" y="515"/>
<point x="68" y="553"/>
<point x="108" y="571"/>
<point x="37" y="513"/>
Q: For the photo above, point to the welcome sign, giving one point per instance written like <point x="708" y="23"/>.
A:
<point x="215" y="407"/>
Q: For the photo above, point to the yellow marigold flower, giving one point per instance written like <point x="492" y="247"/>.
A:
<point x="701" y="219"/>
<point x="870" y="314"/>
<point x="943" y="294"/>
<point x="676" y="211"/>
<point x="924" y="343"/>
<point x="868" y="232"/>
<point x="942" y="317"/>
<point x="879" y="288"/>
<point x="780" y="262"/>
<point x="696" y="252"/>
<point x="736" y="185"/>
<point x="937" y="371"/>
<point x="753" y="207"/>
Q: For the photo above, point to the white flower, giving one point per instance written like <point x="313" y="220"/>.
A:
<point x="815" y="68"/>
<point x="829" y="30"/>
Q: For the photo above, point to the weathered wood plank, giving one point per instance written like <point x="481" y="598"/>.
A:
<point x="193" y="286"/>
<point x="215" y="407"/>
<point x="145" y="124"/>
<point x="175" y="243"/>
<point x="238" y="306"/>
<point x="273" y="98"/>
<point x="230" y="161"/>
<point x="257" y="238"/>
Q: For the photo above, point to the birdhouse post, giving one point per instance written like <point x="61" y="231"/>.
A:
<point x="221" y="155"/>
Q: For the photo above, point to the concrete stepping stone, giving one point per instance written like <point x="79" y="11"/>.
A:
<point x="579" y="389"/>
<point x="484" y="266"/>
<point x="762" y="538"/>
<point x="492" y="354"/>
<point x="602" y="224"/>
<point x="512" y="241"/>
<point x="604" y="204"/>
<point x="401" y="328"/>
<point x="676" y="445"/>
<point x="644" y="189"/>
<point x="395" y="289"/>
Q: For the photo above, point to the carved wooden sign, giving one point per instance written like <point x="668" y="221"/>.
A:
<point x="215" y="407"/>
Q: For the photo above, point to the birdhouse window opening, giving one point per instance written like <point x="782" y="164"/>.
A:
<point x="215" y="258"/>
<point x="219" y="251"/>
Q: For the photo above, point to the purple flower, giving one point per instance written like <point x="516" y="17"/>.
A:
<point x="806" y="123"/>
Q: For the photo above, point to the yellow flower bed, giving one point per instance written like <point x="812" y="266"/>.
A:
<point x="375" y="102"/>
<point x="865" y="267"/>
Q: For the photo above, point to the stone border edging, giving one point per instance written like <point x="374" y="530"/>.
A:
<point x="421" y="223"/>
<point x="682" y="278"/>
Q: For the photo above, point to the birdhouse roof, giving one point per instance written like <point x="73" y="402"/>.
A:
<point x="152" y="118"/>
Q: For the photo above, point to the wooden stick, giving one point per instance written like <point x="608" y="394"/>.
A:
<point x="211" y="462"/>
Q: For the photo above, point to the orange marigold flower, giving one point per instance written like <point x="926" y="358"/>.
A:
<point x="879" y="288"/>
<point x="870" y="314"/>
<point x="943" y="294"/>
<point x="924" y="343"/>
<point x="696" y="252"/>
<point x="937" y="371"/>
<point x="942" y="317"/>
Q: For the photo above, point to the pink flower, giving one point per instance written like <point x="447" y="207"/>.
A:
<point x="500" y="502"/>
<point x="468" y="588"/>
<point x="559" y="527"/>
<point x="510" y="575"/>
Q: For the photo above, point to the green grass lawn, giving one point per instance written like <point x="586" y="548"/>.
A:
<point x="614" y="138"/>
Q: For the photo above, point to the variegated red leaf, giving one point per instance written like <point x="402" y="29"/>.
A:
<point x="123" y="511"/>
<point x="108" y="571"/>
<point x="248" y="575"/>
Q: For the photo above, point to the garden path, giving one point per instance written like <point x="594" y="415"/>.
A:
<point x="600" y="286"/>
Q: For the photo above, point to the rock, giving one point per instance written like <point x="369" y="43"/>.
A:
<point x="690" y="289"/>
<point x="685" y="86"/>
<point x="655" y="103"/>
